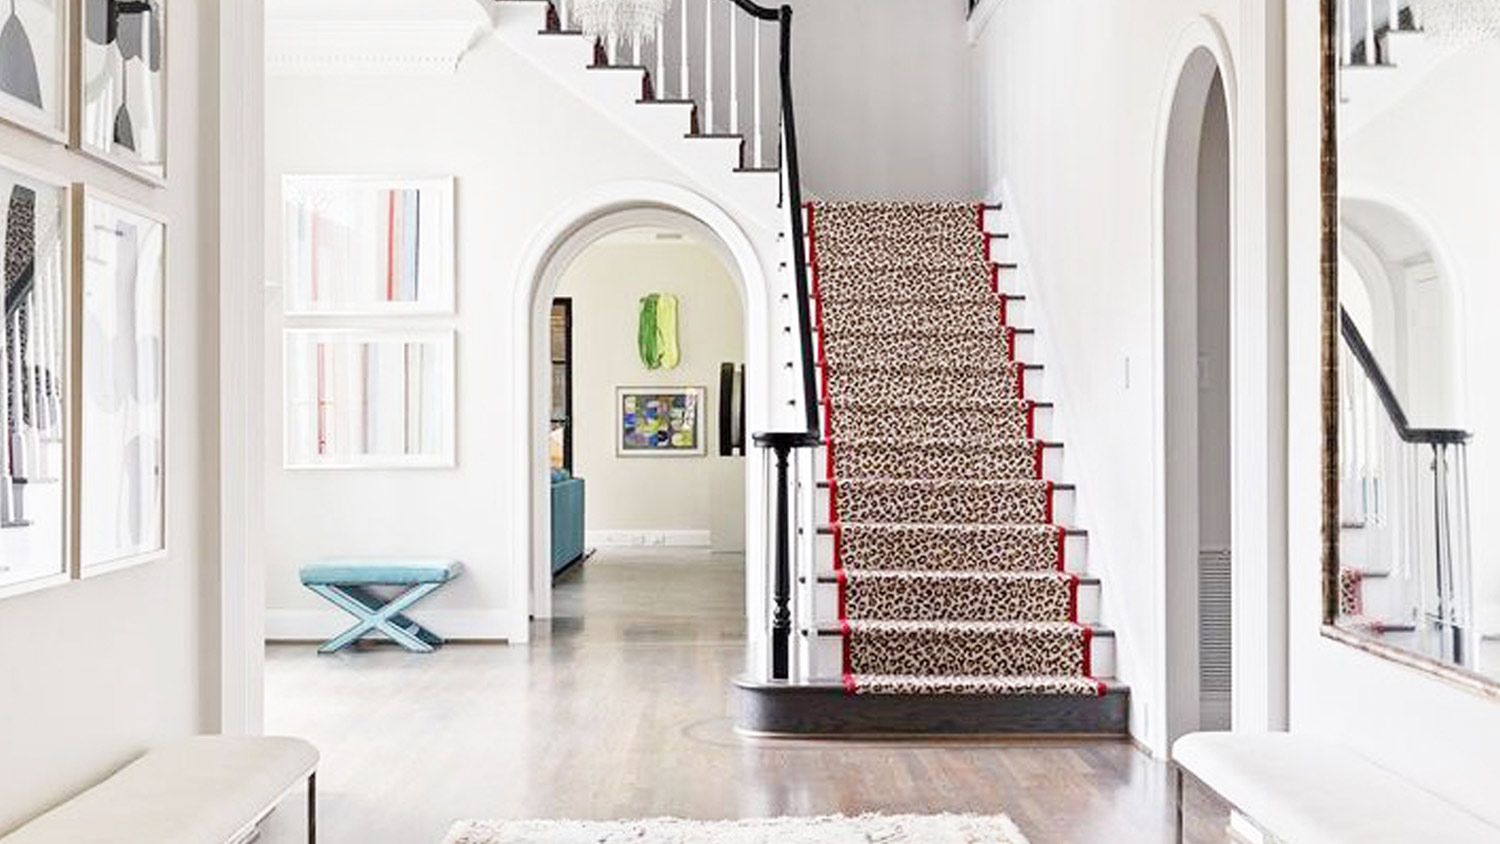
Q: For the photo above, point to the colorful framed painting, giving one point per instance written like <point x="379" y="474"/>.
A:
<point x="122" y="86"/>
<point x="34" y="67"/>
<point x="369" y="399"/>
<point x="122" y="411"/>
<point x="36" y="402"/>
<point x="367" y="245"/>
<point x="659" y="422"/>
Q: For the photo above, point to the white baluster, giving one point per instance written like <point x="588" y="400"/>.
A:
<point x="1395" y="13"/>
<point x="1369" y="31"/>
<point x="34" y="368"/>
<point x="708" y="67"/>
<point x="1347" y="47"/>
<point x="612" y="49"/>
<point x="7" y="488"/>
<point x="734" y="75"/>
<point x="635" y="50"/>
<point x="562" y="14"/>
<point x="660" y="88"/>
<point x="759" y="129"/>
<point x="683" y="80"/>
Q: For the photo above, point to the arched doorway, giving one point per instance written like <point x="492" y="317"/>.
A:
<point x="1197" y="251"/>
<point x="559" y="241"/>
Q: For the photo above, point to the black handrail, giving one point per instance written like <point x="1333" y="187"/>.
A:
<point x="1361" y="351"/>
<point x="799" y="247"/>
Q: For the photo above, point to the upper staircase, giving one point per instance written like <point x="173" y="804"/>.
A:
<point x="1384" y="54"/>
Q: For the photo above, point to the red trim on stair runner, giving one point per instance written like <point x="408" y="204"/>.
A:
<point x="1088" y="651"/>
<point x="828" y="466"/>
<point x="995" y="277"/>
<point x="1062" y="549"/>
<point x="1051" y="491"/>
<point x="838" y="546"/>
<point x="843" y="578"/>
<point x="1020" y="379"/>
<point x="1039" y="448"/>
<point x="833" y="499"/>
<point x="849" y="683"/>
<point x="1073" y="583"/>
<point x="1010" y="339"/>
<point x="1031" y="420"/>
<point x="979" y="206"/>
<point x="1005" y="310"/>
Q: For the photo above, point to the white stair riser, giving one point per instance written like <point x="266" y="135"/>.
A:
<point x="827" y="658"/>
<point x="1063" y="506"/>
<point x="1075" y="554"/>
<point x="826" y="603"/>
<point x="1052" y="464"/>
<point x="1036" y="385"/>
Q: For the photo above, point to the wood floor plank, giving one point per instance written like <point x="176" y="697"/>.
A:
<point x="622" y="708"/>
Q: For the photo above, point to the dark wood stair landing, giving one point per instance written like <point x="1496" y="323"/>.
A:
<point x="781" y="709"/>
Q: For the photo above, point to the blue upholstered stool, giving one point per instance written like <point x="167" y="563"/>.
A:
<point x="346" y="583"/>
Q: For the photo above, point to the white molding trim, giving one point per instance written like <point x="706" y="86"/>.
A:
<point x="648" y="539"/>
<point x="452" y="625"/>
<point x="368" y="47"/>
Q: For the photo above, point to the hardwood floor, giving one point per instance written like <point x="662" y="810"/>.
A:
<point x="620" y="708"/>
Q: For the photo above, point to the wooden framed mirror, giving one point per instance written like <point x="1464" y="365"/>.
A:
<point x="1410" y="301"/>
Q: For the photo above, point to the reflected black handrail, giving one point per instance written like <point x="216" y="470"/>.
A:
<point x="20" y="289"/>
<point x="1361" y="351"/>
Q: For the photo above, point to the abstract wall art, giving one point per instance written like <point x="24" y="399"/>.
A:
<point x="366" y="399"/>
<point x="122" y="489"/>
<point x="35" y="482"/>
<point x="367" y="245"/>
<point x="123" y="85"/>
<point x="33" y="65"/>
<point x="660" y="421"/>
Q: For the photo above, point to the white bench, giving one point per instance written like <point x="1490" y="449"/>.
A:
<point x="1302" y="790"/>
<point x="205" y="790"/>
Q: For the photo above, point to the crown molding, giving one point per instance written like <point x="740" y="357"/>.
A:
<point x="371" y="37"/>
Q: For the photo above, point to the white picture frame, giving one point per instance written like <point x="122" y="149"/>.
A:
<point x="685" y="408"/>
<point x="120" y="87"/>
<point x="121" y="269"/>
<point x="35" y="89"/>
<point x="357" y="398"/>
<point x="37" y="413"/>
<point x="368" y="245"/>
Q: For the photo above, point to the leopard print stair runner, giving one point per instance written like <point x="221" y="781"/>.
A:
<point x="950" y="565"/>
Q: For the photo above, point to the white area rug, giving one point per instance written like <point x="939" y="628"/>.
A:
<point x="866" y="829"/>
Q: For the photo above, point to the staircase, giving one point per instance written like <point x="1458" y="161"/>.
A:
<point x="925" y="571"/>
<point x="1383" y="56"/>
<point x="948" y="590"/>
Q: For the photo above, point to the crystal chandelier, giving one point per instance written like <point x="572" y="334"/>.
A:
<point x="1461" y="21"/>
<point x="621" y="21"/>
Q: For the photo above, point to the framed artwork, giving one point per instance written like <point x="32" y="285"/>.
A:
<point x="34" y="67"/>
<point x="122" y="85"/>
<point x="122" y="413"/>
<point x="367" y="245"/>
<point x="36" y="475"/>
<point x="659" y="422"/>
<point x="368" y="399"/>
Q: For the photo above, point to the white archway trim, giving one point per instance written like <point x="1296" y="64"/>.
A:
<point x="557" y="241"/>
<point x="1200" y="51"/>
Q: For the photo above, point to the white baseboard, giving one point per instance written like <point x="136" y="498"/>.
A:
<point x="453" y="625"/>
<point x="639" y="538"/>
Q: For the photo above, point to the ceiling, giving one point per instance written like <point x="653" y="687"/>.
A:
<point x="372" y="37"/>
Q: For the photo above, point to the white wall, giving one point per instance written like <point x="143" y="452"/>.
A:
<point x="884" y="104"/>
<point x="97" y="671"/>
<point x="1071" y="101"/>
<point x="522" y="149"/>
<point x="1438" y="735"/>
<point x="635" y="496"/>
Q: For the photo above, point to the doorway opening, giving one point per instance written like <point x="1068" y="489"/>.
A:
<point x="1198" y="252"/>
<point x="645" y="436"/>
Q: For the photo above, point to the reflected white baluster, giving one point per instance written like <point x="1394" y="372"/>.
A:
<point x="635" y="50"/>
<point x="562" y="14"/>
<point x="708" y="67"/>
<point x="1395" y="12"/>
<point x="7" y="472"/>
<point x="1346" y="49"/>
<point x="1370" y="32"/>
<point x="758" y="130"/>
<point x="660" y="88"/>
<point x="734" y="75"/>
<point x="682" y="86"/>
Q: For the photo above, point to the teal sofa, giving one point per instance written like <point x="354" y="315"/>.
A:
<point x="567" y="520"/>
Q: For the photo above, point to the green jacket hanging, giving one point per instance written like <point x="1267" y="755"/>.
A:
<point x="656" y="334"/>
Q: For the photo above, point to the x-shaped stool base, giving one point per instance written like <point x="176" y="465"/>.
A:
<point x="376" y="615"/>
